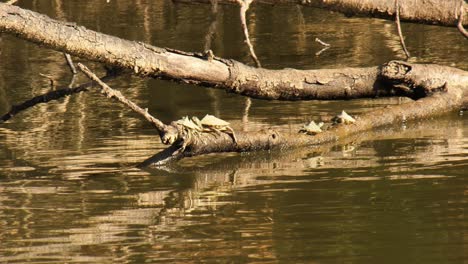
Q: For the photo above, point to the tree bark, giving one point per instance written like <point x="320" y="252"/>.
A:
<point x="440" y="98"/>
<point x="434" y="12"/>
<point x="441" y="88"/>
<point x="194" y="68"/>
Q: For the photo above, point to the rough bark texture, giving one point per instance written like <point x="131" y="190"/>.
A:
<point x="441" y="88"/>
<point x="233" y="76"/>
<point x="269" y="139"/>
<point x="437" y="85"/>
<point x="440" y="12"/>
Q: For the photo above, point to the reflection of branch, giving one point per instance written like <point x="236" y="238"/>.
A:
<point x="212" y="28"/>
<point x="460" y="21"/>
<point x="397" y="20"/>
<point x="47" y="97"/>
<point x="244" y="6"/>
<point x="320" y="51"/>
<point x="172" y="153"/>
<point x="245" y="117"/>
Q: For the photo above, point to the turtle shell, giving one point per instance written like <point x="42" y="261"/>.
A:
<point x="213" y="121"/>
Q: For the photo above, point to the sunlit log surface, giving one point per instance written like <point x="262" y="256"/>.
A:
<point x="230" y="75"/>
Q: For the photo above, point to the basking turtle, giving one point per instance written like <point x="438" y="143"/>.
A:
<point x="212" y="123"/>
<point x="312" y="128"/>
<point x="343" y="118"/>
<point x="189" y="125"/>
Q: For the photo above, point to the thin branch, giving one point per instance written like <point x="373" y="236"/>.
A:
<point x="70" y="63"/>
<point x="400" y="34"/>
<point x="11" y="2"/>
<point x="244" y="6"/>
<point x="460" y="21"/>
<point x="109" y="92"/>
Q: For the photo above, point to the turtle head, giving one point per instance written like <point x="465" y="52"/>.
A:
<point x="170" y="134"/>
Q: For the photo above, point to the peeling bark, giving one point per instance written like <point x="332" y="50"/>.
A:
<point x="434" y="12"/>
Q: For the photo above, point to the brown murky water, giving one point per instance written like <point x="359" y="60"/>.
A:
<point x="70" y="192"/>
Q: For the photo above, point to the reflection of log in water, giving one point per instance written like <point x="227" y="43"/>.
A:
<point x="298" y="161"/>
<point x="205" y="191"/>
<point x="429" y="11"/>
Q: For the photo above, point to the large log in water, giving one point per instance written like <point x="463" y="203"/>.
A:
<point x="441" y="88"/>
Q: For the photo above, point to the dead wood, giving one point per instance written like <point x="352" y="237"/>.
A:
<point x="195" y="68"/>
<point x="433" y="12"/>
<point x="441" y="88"/>
<point x="70" y="63"/>
<point x="439" y="96"/>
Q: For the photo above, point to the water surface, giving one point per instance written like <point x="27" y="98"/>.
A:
<point x="70" y="192"/>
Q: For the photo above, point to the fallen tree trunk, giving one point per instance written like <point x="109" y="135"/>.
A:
<point x="438" y="12"/>
<point x="206" y="143"/>
<point x="442" y="88"/>
<point x="440" y="97"/>
<point x="195" y="68"/>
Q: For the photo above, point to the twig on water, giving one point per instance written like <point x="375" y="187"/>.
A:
<point x="400" y="34"/>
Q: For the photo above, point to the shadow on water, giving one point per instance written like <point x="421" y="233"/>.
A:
<point x="70" y="192"/>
